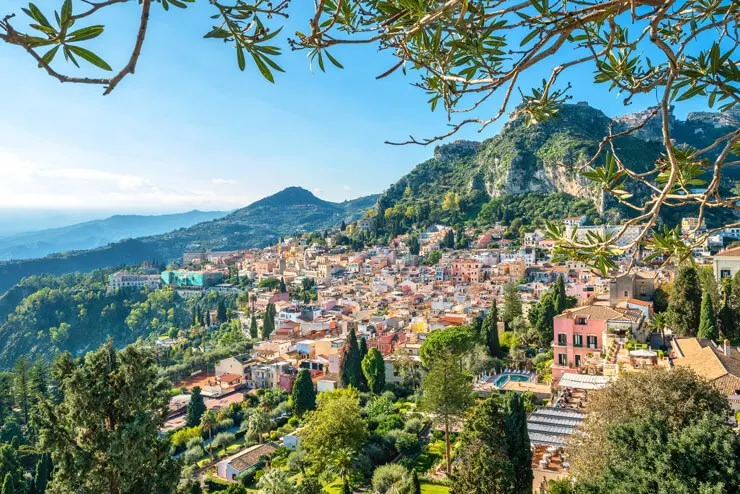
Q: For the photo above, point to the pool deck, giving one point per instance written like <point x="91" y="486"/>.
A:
<point x="487" y="384"/>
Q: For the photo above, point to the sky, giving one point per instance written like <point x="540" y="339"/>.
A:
<point x="190" y="131"/>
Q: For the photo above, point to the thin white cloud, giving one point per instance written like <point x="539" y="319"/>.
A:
<point x="223" y="181"/>
<point x="346" y="188"/>
<point x="30" y="185"/>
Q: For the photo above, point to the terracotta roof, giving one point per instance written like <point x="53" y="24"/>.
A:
<point x="733" y="252"/>
<point x="597" y="313"/>
<point x="250" y="456"/>
<point x="227" y="377"/>
<point x="639" y="302"/>
<point x="709" y="361"/>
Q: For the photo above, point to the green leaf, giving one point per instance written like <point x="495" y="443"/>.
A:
<point x="49" y="55"/>
<point x="66" y="11"/>
<point x="36" y="15"/>
<point x="89" y="57"/>
<point x="240" y="58"/>
<point x="333" y="60"/>
<point x="85" y="33"/>
<point x="264" y="70"/>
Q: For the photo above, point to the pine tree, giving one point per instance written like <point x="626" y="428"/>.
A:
<point x="373" y="368"/>
<point x="39" y="377"/>
<point x="512" y="303"/>
<point x="351" y="363"/>
<point x="303" y="393"/>
<point x="196" y="408"/>
<point x="685" y="305"/>
<point x="115" y="421"/>
<point x="253" y="330"/>
<point x="517" y="439"/>
<point x="22" y="393"/>
<point x="707" y="321"/>
<point x="490" y="331"/>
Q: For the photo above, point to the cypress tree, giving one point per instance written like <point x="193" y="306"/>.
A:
<point x="253" y="332"/>
<point x="196" y="408"/>
<point x="707" y="321"/>
<point x="268" y="321"/>
<point x="490" y="331"/>
<point x="283" y="288"/>
<point x="560" y="297"/>
<point x="351" y="365"/>
<point x="8" y="484"/>
<point x="517" y="439"/>
<point x="43" y="473"/>
<point x="363" y="348"/>
<point x="415" y="484"/>
<point x="373" y="368"/>
<point x="543" y="323"/>
<point x="208" y="318"/>
<point x="221" y="311"/>
<point x="303" y="394"/>
<point x="685" y="306"/>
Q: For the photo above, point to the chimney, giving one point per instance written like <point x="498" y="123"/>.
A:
<point x="727" y="347"/>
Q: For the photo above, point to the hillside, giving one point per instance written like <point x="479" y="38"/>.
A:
<point x="97" y="233"/>
<point x="257" y="225"/>
<point x="484" y="179"/>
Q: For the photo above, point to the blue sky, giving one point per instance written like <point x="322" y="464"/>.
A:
<point x="189" y="130"/>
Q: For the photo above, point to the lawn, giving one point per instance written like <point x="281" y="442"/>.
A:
<point x="434" y="489"/>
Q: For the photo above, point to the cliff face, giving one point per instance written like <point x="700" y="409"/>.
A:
<point x="544" y="158"/>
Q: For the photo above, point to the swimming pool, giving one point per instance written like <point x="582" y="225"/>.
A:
<point x="501" y="380"/>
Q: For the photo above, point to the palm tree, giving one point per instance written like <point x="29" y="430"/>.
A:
<point x="341" y="463"/>
<point x="658" y="324"/>
<point x="208" y="421"/>
<point x="275" y="481"/>
<point x="259" y="423"/>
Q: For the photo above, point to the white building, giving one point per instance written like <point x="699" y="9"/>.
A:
<point x="124" y="279"/>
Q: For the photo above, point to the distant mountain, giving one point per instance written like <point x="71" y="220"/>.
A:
<point x="97" y="233"/>
<point x="292" y="210"/>
<point x="516" y="173"/>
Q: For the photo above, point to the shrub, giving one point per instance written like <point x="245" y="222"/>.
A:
<point x="192" y="455"/>
<point x="386" y="476"/>
<point x="195" y="441"/>
<point x="181" y="437"/>
<point x="389" y="423"/>
<point x="414" y="426"/>
<point x="224" y="425"/>
<point x="407" y="443"/>
<point x="223" y="439"/>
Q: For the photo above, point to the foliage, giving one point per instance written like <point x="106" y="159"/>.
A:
<point x="512" y="303"/>
<point x="647" y="455"/>
<point x="707" y="319"/>
<point x="446" y="393"/>
<point x="448" y="342"/>
<point x="336" y="424"/>
<point x="303" y="393"/>
<point x="119" y="402"/>
<point x="351" y="365"/>
<point x="685" y="304"/>
<point x="373" y="368"/>
<point x="679" y="396"/>
<point x="482" y="464"/>
<point x="196" y="408"/>
<point x="275" y="481"/>
<point x="386" y="477"/>
<point x="489" y="331"/>
<point x="517" y="441"/>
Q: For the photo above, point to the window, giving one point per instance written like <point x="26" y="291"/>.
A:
<point x="580" y="321"/>
<point x="591" y="341"/>
<point x="578" y="360"/>
<point x="625" y="293"/>
<point x="724" y="273"/>
<point x="562" y="339"/>
<point x="562" y="359"/>
<point x="578" y="339"/>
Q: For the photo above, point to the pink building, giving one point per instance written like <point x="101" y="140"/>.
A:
<point x="584" y="333"/>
